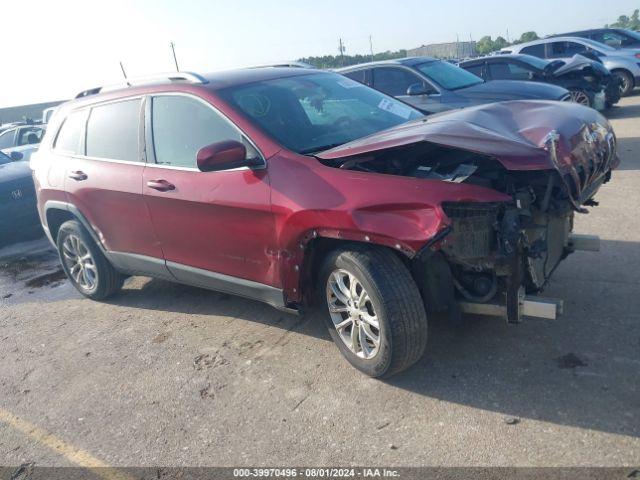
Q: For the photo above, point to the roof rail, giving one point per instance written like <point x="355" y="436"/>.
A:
<point x="187" y="77"/>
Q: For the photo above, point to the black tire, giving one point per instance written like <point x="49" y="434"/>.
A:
<point x="627" y="82"/>
<point x="397" y="302"/>
<point x="107" y="280"/>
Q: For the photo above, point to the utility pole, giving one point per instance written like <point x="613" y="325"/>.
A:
<point x="124" y="73"/>
<point x="371" y="47"/>
<point x="175" y="60"/>
<point x="341" y="49"/>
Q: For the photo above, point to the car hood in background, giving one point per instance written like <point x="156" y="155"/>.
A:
<point x="500" y="90"/>
<point x="14" y="171"/>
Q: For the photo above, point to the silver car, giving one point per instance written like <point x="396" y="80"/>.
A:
<point x="623" y="63"/>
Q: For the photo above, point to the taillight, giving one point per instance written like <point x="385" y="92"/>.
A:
<point x="637" y="55"/>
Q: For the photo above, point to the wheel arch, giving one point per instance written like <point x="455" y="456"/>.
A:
<point x="57" y="212"/>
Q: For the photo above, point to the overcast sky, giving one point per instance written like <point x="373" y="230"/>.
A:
<point x="51" y="49"/>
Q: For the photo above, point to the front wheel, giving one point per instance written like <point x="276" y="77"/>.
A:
<point x="376" y="315"/>
<point x="85" y="265"/>
<point x="626" y="82"/>
<point x="581" y="97"/>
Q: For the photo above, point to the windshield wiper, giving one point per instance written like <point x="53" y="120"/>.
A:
<point x="321" y="148"/>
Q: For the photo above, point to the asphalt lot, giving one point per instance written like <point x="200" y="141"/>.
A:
<point x="165" y="374"/>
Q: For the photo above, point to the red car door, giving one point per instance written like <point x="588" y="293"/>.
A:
<point x="105" y="184"/>
<point x="206" y="221"/>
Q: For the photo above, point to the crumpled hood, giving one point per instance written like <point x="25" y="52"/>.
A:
<point x="501" y="90"/>
<point x="577" y="63"/>
<point x="521" y="135"/>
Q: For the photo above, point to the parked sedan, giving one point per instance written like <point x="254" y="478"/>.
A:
<point x="588" y="81"/>
<point x="21" y="135"/>
<point x="614" y="37"/>
<point x="623" y="63"/>
<point x="434" y="86"/>
<point x="18" y="212"/>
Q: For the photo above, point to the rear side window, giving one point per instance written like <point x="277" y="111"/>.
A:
<point x="566" y="49"/>
<point x="535" y="50"/>
<point x="69" y="138"/>
<point x="509" y="71"/>
<point x="113" y="131"/>
<point x="183" y="125"/>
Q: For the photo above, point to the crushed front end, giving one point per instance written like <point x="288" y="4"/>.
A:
<point x="549" y="158"/>
<point x="500" y="253"/>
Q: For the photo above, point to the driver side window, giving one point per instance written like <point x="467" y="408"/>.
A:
<point x="183" y="125"/>
<point x="395" y="81"/>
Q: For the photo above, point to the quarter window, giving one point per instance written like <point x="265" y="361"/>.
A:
<point x="113" y="131"/>
<point x="69" y="138"/>
<point x="183" y="125"/>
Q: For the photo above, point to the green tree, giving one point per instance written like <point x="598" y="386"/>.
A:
<point x="485" y="45"/>
<point x="528" y="37"/>
<point x="500" y="43"/>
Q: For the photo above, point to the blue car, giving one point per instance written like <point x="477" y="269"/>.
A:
<point x="434" y="86"/>
<point x="18" y="212"/>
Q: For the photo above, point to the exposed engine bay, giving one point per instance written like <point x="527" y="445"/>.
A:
<point x="493" y="252"/>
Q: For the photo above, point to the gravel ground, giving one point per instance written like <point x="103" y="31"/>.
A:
<point x="165" y="374"/>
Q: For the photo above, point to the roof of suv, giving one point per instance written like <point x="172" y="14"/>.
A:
<point x="210" y="81"/>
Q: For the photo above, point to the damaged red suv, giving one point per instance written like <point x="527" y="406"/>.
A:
<point x="284" y="184"/>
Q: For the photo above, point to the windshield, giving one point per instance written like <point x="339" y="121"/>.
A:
<point x="315" y="112"/>
<point x="448" y="76"/>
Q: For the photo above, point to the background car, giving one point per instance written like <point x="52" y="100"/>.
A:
<point x="433" y="85"/>
<point x="623" y="63"/>
<point x="588" y="81"/>
<point x="614" y="37"/>
<point x="24" y="150"/>
<point x="18" y="213"/>
<point x="21" y="135"/>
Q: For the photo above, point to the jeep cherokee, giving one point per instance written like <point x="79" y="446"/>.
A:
<point x="281" y="184"/>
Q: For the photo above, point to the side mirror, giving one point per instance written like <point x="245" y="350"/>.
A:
<point x="222" y="156"/>
<point x="16" y="156"/>
<point x="417" y="89"/>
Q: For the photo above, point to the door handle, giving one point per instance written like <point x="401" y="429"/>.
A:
<point x="78" y="175"/>
<point x="161" y="185"/>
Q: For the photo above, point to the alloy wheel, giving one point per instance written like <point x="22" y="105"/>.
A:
<point x="79" y="262"/>
<point x="353" y="314"/>
<point x="578" y="96"/>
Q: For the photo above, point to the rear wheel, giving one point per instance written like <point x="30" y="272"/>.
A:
<point x="626" y="82"/>
<point x="85" y="265"/>
<point x="376" y="315"/>
<point x="581" y="97"/>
